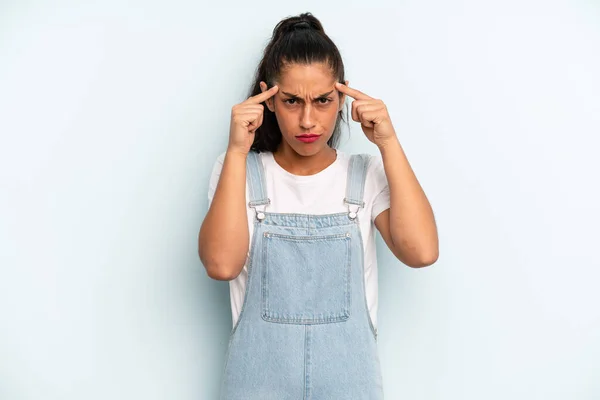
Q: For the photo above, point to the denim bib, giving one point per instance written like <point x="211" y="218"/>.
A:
<point x="304" y="331"/>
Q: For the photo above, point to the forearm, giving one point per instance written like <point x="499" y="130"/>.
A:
<point x="224" y="236"/>
<point x="412" y="224"/>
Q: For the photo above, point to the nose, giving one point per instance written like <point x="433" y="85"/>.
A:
<point x="307" y="117"/>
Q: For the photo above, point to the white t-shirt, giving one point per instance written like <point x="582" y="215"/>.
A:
<point x="321" y="193"/>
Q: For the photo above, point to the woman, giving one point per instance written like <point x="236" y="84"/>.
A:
<point x="290" y="225"/>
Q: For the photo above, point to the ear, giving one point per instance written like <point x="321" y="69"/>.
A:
<point x="343" y="98"/>
<point x="268" y="102"/>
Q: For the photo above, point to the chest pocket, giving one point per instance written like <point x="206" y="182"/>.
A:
<point x="306" y="279"/>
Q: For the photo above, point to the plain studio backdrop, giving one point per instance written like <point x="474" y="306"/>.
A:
<point x="112" y="115"/>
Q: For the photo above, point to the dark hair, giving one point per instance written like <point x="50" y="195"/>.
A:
<point x="296" y="40"/>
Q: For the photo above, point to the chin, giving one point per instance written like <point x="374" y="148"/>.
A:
<point x="309" y="150"/>
<point x="306" y="150"/>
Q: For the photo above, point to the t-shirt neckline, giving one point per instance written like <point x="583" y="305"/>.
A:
<point x="301" y="178"/>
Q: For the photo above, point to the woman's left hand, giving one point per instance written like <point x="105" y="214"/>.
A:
<point x="372" y="115"/>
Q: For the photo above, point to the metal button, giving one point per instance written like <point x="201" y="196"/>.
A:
<point x="352" y="215"/>
<point x="260" y="216"/>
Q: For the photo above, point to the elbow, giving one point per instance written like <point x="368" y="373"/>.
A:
<point x="417" y="259"/>
<point x="219" y="273"/>
<point x="425" y="259"/>
<point x="416" y="253"/>
<point x="425" y="262"/>
<point x="219" y="269"/>
<point x="420" y="254"/>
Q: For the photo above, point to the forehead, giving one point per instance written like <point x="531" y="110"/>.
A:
<point x="314" y="78"/>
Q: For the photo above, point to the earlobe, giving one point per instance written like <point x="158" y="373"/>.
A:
<point x="270" y="104"/>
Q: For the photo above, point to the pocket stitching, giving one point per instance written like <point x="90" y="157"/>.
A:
<point x="340" y="316"/>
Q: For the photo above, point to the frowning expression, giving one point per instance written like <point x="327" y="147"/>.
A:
<point x="307" y="106"/>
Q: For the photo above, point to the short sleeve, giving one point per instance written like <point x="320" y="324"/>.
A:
<point x="381" y="200"/>
<point x="214" y="177"/>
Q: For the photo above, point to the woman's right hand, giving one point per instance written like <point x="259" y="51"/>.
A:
<point x="246" y="117"/>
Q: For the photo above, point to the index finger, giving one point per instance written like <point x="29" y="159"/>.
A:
<point x="259" y="98"/>
<point x="355" y="94"/>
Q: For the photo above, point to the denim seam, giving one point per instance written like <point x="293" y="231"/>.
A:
<point x="341" y="216"/>
<point x="248" y="281"/>
<point x="295" y="238"/>
<point x="256" y="179"/>
<point x="265" y="276"/>
<point x="373" y="331"/>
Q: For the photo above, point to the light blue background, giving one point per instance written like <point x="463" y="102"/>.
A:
<point x="112" y="115"/>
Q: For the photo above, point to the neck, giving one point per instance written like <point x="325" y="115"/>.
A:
<point x="301" y="165"/>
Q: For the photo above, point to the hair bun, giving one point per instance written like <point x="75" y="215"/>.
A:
<point x="301" y="25"/>
<point x="302" y="22"/>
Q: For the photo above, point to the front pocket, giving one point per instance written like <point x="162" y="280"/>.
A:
<point x="306" y="279"/>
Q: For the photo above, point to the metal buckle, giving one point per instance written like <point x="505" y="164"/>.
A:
<point x="352" y="214"/>
<point x="260" y="214"/>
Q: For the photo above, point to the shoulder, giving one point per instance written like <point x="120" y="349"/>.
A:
<point x="374" y="163"/>
<point x="265" y="156"/>
<point x="376" y="179"/>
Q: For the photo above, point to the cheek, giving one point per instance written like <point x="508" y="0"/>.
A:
<point x="331" y="116"/>
<point x="286" y="120"/>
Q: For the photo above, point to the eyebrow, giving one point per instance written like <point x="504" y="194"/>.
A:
<point x="297" y="97"/>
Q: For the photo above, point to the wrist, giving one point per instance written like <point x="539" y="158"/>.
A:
<point x="391" y="145"/>
<point x="235" y="156"/>
<point x="235" y="152"/>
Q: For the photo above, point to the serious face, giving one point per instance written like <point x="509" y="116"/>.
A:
<point x="306" y="106"/>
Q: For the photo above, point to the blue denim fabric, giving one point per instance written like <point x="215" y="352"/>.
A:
<point x="304" y="331"/>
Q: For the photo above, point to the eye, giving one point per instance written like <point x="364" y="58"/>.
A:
<point x="289" y="101"/>
<point x="323" y="100"/>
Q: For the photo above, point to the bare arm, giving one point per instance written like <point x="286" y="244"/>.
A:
<point x="408" y="227"/>
<point x="223" y="237"/>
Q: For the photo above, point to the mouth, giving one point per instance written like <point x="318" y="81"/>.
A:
<point x="308" y="137"/>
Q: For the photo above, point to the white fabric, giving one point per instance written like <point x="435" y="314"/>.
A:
<point x="321" y="193"/>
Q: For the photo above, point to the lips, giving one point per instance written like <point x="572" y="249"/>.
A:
<point x="308" y="137"/>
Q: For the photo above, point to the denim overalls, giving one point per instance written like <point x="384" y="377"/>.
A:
<point x="304" y="331"/>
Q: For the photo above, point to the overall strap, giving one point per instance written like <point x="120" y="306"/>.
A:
<point x="255" y="177"/>
<point x="355" y="185"/>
